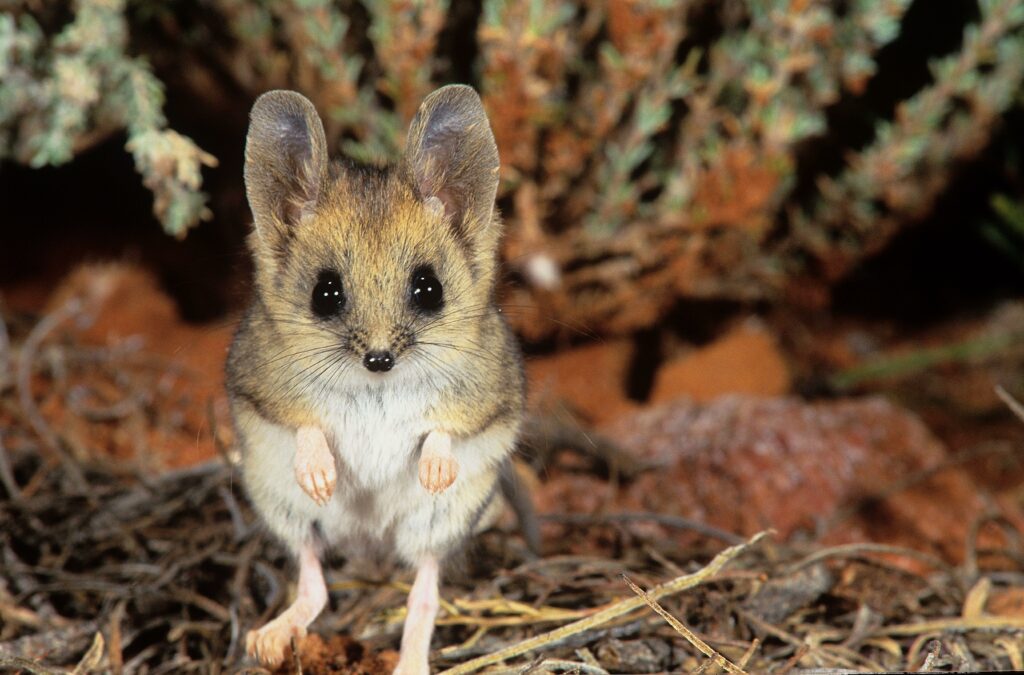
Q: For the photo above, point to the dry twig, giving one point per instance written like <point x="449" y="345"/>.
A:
<point x="1011" y="402"/>
<point x="681" y="628"/>
<point x="46" y="434"/>
<point x="603" y="616"/>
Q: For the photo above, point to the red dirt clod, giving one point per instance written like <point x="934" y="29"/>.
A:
<point x="126" y="303"/>
<point x="746" y="360"/>
<point x="591" y="378"/>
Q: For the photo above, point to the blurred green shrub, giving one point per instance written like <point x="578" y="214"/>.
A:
<point x="651" y="149"/>
<point x="1006" y="233"/>
<point x="62" y="91"/>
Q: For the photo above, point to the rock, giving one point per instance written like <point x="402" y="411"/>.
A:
<point x="745" y="361"/>
<point x="850" y="470"/>
<point x="780" y="597"/>
<point x="591" y="379"/>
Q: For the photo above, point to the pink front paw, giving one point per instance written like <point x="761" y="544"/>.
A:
<point x="437" y="473"/>
<point x="314" y="465"/>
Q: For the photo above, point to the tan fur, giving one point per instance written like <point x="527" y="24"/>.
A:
<point x="457" y="371"/>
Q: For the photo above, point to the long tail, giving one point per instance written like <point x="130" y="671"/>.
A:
<point x="517" y="494"/>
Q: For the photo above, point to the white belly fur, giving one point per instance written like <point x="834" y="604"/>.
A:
<point x="376" y="434"/>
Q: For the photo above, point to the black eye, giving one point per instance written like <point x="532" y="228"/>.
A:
<point x="328" y="295"/>
<point x="427" y="293"/>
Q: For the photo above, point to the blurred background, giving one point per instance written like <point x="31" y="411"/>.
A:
<point x="773" y="248"/>
<point x="805" y="199"/>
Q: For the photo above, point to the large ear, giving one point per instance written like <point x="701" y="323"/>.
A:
<point x="285" y="160"/>
<point x="452" y="156"/>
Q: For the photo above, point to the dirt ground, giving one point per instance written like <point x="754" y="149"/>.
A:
<point x="886" y="463"/>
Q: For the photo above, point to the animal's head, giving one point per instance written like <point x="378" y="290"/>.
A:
<point x="375" y="266"/>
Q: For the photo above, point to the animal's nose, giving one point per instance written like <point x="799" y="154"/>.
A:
<point x="378" y="362"/>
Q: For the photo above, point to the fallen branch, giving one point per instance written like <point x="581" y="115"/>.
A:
<point x="5" y="352"/>
<point x="688" y="634"/>
<point x="663" y="519"/>
<point x="952" y="625"/>
<point x="860" y="549"/>
<point x="613" y="611"/>
<point x="1011" y="402"/>
<point x="72" y="309"/>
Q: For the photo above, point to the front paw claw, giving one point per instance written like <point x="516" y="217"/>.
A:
<point x="318" y="483"/>
<point x="438" y="473"/>
<point x="314" y="465"/>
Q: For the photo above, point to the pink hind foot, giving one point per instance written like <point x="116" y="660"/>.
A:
<point x="268" y="644"/>
<point x="423" y="603"/>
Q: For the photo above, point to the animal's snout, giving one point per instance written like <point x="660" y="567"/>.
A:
<point x="378" y="362"/>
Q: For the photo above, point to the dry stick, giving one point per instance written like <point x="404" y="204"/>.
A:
<point x="296" y="660"/>
<point x="6" y="475"/>
<point x="915" y="649"/>
<point x="789" y="665"/>
<point x="988" y="624"/>
<point x="5" y="351"/>
<point x="1011" y="402"/>
<point x="566" y="666"/>
<point x="1013" y="651"/>
<point x="115" y="653"/>
<point x="970" y="566"/>
<point x="91" y="660"/>
<point x="749" y="654"/>
<point x="680" y="628"/>
<point x="853" y="550"/>
<point x="984" y="623"/>
<point x="610" y="612"/>
<point x="29" y="665"/>
<point x="663" y="519"/>
<point x="770" y="629"/>
<point x="24" y="382"/>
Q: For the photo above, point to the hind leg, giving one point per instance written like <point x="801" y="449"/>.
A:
<point x="422" y="604"/>
<point x="268" y="644"/>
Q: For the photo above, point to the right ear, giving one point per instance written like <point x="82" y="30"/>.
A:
<point x="285" y="160"/>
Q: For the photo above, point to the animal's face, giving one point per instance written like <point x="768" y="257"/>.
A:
<point x="378" y="274"/>
<point x="369" y="270"/>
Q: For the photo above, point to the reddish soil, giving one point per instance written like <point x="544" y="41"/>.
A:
<point x="590" y="380"/>
<point x="746" y="360"/>
<point x="729" y="446"/>
<point x="857" y="470"/>
<point x="126" y="306"/>
<point x="827" y="470"/>
<point x="1006" y="602"/>
<point x="341" y="654"/>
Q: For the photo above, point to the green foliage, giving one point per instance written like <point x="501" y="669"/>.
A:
<point x="644" y="154"/>
<point x="1006" y="233"/>
<point x="59" y="93"/>
<point x="948" y="120"/>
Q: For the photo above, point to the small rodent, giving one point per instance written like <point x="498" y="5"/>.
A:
<point x="375" y="387"/>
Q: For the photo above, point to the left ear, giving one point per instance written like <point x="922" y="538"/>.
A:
<point x="452" y="156"/>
